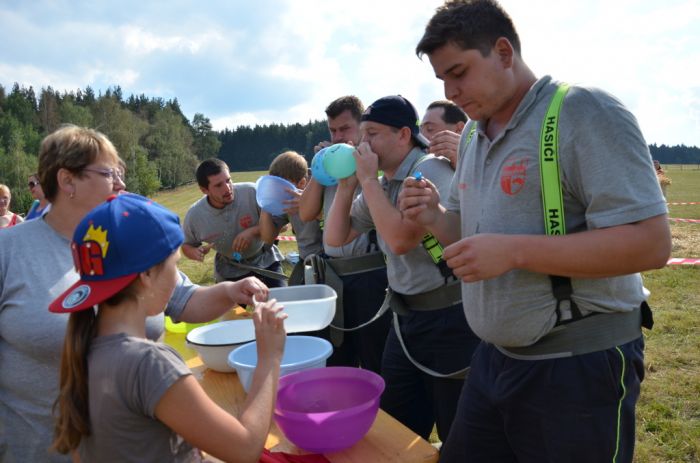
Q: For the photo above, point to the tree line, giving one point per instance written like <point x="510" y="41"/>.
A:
<point x="679" y="154"/>
<point x="253" y="148"/>
<point x="160" y="146"/>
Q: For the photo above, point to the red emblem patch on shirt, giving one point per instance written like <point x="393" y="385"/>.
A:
<point x="246" y="221"/>
<point x="514" y="175"/>
<point x="462" y="186"/>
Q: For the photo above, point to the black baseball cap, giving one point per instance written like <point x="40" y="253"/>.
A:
<point x="396" y="111"/>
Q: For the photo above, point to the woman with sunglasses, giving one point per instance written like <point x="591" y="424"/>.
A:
<point x="40" y="205"/>
<point x="7" y="217"/>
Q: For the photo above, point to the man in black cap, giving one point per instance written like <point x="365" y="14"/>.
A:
<point x="428" y="351"/>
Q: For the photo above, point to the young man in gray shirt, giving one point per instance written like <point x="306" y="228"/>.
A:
<point x="557" y="377"/>
<point x="226" y="219"/>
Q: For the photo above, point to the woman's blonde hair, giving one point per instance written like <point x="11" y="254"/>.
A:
<point x="73" y="148"/>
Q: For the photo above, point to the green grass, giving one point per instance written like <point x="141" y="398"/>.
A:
<point x="668" y="413"/>
<point x="684" y="187"/>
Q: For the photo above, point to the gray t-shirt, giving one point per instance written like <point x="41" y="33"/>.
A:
<point x="127" y="378"/>
<point x="308" y="234"/>
<point x="204" y="223"/>
<point x="357" y="247"/>
<point x="607" y="180"/>
<point x="36" y="266"/>
<point x="413" y="272"/>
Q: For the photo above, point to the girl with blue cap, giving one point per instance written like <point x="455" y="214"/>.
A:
<point x="123" y="397"/>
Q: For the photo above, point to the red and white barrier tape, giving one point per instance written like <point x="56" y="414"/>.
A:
<point x="682" y="204"/>
<point x="287" y="238"/>
<point x="682" y="261"/>
<point x="671" y="219"/>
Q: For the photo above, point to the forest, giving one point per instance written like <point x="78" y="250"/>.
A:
<point x="160" y="145"/>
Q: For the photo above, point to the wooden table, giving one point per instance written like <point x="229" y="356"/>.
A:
<point x="387" y="440"/>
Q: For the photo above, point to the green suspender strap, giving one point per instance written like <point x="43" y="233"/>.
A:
<point x="472" y="130"/>
<point x="430" y="243"/>
<point x="552" y="198"/>
<point x="553" y="205"/>
<point x="552" y="201"/>
<point x="596" y="331"/>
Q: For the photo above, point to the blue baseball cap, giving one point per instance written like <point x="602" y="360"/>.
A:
<point x="115" y="242"/>
<point x="396" y="111"/>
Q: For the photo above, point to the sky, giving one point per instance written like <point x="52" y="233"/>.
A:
<point x="263" y="61"/>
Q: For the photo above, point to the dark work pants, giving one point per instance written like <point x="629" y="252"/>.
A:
<point x="440" y="340"/>
<point x="363" y="294"/>
<point x="574" y="409"/>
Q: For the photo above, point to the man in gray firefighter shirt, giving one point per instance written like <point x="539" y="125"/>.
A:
<point x="226" y="219"/>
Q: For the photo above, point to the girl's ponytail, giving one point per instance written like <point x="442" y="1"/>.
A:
<point x="73" y="420"/>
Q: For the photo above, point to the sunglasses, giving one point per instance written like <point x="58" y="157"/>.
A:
<point x="32" y="184"/>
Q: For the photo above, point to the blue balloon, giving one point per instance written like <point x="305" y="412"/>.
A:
<point x="318" y="171"/>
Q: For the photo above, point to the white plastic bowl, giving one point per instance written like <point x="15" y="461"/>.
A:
<point x="300" y="353"/>
<point x="216" y="341"/>
<point x="308" y="307"/>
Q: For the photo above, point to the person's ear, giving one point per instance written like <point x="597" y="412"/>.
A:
<point x="146" y="278"/>
<point x="505" y="51"/>
<point x="405" y="134"/>
<point x="301" y="184"/>
<point x="66" y="181"/>
<point x="204" y="190"/>
<point x="459" y="126"/>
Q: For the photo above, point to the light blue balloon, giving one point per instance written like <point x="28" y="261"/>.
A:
<point x="339" y="161"/>
<point x="318" y="171"/>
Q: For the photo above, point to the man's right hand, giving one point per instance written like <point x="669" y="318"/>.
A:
<point x="446" y="143"/>
<point x="321" y="145"/>
<point x="196" y="252"/>
<point x="419" y="200"/>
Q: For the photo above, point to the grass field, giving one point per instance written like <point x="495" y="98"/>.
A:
<point x="668" y="414"/>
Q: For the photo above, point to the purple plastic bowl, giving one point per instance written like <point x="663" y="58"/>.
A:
<point x="327" y="409"/>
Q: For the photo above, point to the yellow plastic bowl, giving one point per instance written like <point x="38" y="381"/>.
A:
<point x="182" y="327"/>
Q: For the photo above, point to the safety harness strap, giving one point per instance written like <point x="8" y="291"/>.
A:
<point x="459" y="374"/>
<point x="260" y="271"/>
<point x="435" y="299"/>
<point x="429" y="242"/>
<point x="593" y="333"/>
<point x="553" y="200"/>
<point x="343" y="266"/>
<point x="573" y="333"/>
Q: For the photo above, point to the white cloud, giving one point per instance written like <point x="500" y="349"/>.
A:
<point x="139" y="41"/>
<point x="37" y="77"/>
<point x="237" y="65"/>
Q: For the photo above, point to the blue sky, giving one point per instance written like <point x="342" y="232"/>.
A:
<point x="283" y="60"/>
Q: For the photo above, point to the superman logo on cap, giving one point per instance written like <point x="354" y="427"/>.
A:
<point x="90" y="254"/>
